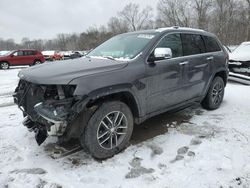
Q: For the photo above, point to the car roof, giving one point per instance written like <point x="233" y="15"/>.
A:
<point x="246" y="43"/>
<point x="25" y="50"/>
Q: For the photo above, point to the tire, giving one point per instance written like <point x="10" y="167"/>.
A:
<point x="4" y="65"/>
<point x="214" y="95"/>
<point x="108" y="131"/>
<point x="37" y="62"/>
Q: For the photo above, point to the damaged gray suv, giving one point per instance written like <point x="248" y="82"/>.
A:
<point x="124" y="81"/>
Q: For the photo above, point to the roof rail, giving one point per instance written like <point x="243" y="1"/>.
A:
<point x="177" y="27"/>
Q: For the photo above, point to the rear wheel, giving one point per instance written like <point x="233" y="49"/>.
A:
<point x="4" y="65"/>
<point x="108" y="131"/>
<point x="215" y="94"/>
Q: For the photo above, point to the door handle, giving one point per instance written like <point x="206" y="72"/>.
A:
<point x="183" y="63"/>
<point x="210" y="58"/>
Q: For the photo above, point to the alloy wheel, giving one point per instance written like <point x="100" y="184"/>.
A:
<point x="4" y="65"/>
<point x="112" y="130"/>
<point x="217" y="93"/>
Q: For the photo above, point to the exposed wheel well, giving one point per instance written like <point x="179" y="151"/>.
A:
<point x="125" y="97"/>
<point x="223" y="75"/>
<point x="37" y="60"/>
<point x="4" y="62"/>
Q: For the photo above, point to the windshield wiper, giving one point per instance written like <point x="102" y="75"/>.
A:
<point x="106" y="57"/>
<point x="109" y="57"/>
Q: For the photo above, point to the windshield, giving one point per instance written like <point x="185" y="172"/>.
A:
<point x="5" y="53"/>
<point x="122" y="47"/>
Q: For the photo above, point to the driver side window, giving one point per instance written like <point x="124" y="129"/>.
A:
<point x="172" y="41"/>
<point x="18" y="53"/>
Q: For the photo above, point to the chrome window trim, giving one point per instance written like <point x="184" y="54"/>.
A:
<point x="193" y="55"/>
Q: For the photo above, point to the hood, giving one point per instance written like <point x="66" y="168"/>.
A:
<point x="3" y="56"/>
<point x="62" y="72"/>
<point x="239" y="56"/>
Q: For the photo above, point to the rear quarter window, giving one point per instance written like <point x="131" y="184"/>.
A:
<point x="211" y="44"/>
<point x="31" y="52"/>
<point x="28" y="53"/>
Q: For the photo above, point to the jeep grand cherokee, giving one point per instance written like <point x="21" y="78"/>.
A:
<point x="124" y="81"/>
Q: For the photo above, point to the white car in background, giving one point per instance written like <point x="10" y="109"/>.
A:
<point x="239" y="63"/>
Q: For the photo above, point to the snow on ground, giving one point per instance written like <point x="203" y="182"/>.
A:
<point x="192" y="148"/>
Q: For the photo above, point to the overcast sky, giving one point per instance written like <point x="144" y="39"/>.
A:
<point x="45" y="18"/>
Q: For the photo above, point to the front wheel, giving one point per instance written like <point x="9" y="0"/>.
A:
<point x="4" y="65"/>
<point x="108" y="131"/>
<point x="214" y="95"/>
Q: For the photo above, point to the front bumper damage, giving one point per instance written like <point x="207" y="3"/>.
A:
<point x="47" y="110"/>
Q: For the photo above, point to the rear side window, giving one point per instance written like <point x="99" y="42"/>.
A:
<point x="29" y="53"/>
<point x="172" y="41"/>
<point x="211" y="44"/>
<point x="192" y="44"/>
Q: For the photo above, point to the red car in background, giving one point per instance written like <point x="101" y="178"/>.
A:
<point x="21" y="57"/>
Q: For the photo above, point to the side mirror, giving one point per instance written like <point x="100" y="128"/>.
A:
<point x="11" y="55"/>
<point x="162" y="53"/>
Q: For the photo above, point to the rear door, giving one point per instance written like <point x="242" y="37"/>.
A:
<point x="198" y="67"/>
<point x="164" y="77"/>
<point x="29" y="56"/>
<point x="215" y="54"/>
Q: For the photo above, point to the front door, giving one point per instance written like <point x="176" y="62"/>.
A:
<point x="18" y="58"/>
<point x="165" y="77"/>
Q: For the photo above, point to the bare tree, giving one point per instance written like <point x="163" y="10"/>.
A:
<point x="202" y="8"/>
<point x="174" y="13"/>
<point x="72" y="42"/>
<point x="248" y="20"/>
<point x="26" y="42"/>
<point x="135" y="18"/>
<point x="8" y="44"/>
<point x="117" y="26"/>
<point x="224" y="19"/>
<point x="228" y="19"/>
<point x="62" y="41"/>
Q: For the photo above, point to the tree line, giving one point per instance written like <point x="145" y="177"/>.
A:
<point x="228" y="19"/>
